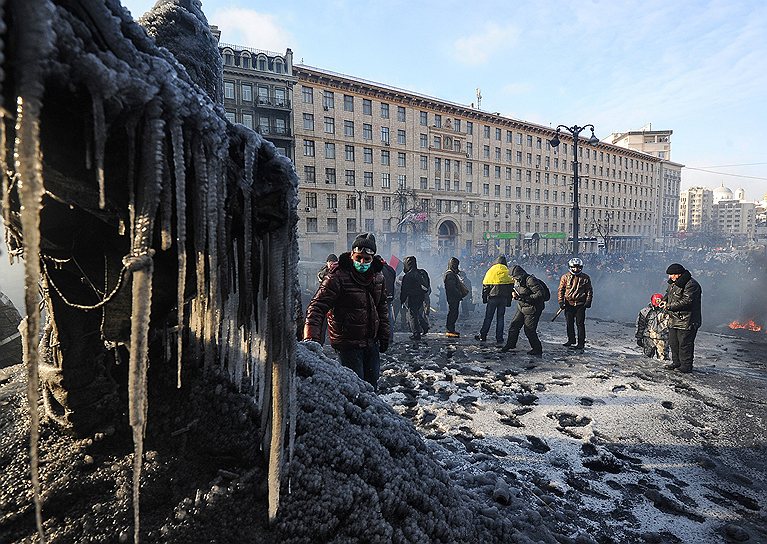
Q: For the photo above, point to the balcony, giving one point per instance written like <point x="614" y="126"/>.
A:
<point x="276" y="103"/>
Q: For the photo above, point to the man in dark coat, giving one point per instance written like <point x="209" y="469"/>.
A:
<point x="454" y="293"/>
<point x="413" y="292"/>
<point x="329" y="260"/>
<point x="530" y="303"/>
<point x="353" y="296"/>
<point x="575" y="295"/>
<point x="682" y="303"/>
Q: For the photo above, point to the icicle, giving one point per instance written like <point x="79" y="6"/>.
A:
<point x="200" y="238"/>
<point x="4" y="185"/>
<point x="179" y="174"/>
<point x="130" y="128"/>
<point x="166" y="207"/>
<point x="140" y="264"/>
<point x="28" y="163"/>
<point x="212" y="321"/>
<point x="99" y="142"/>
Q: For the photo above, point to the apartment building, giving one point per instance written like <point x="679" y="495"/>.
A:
<point x="647" y="140"/>
<point x="429" y="176"/>
<point x="696" y="209"/>
<point x="258" y="89"/>
<point x="736" y="219"/>
<point x="669" y="180"/>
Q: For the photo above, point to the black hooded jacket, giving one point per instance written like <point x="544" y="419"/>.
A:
<point x="683" y="302"/>
<point x="415" y="283"/>
<point x="528" y="290"/>
<point x="452" y="281"/>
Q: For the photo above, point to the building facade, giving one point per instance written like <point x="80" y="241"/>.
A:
<point x="669" y="180"/>
<point x="696" y="209"/>
<point x="653" y="142"/>
<point x="433" y="177"/>
<point x="258" y="89"/>
<point x="736" y="219"/>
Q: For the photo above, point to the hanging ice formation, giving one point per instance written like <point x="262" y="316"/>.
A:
<point x="152" y="210"/>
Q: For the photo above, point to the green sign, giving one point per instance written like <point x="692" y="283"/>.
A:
<point x="500" y="235"/>
<point x="555" y="235"/>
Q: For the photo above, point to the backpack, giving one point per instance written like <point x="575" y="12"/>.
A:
<point x="544" y="288"/>
<point x="425" y="283"/>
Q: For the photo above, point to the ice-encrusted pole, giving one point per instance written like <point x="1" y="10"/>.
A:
<point x="179" y="170"/>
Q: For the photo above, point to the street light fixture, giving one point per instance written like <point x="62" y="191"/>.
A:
<point x="575" y="132"/>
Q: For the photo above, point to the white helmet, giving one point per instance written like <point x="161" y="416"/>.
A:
<point x="575" y="262"/>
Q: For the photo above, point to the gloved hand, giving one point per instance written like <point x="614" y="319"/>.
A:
<point x="383" y="345"/>
<point x="640" y="343"/>
<point x="588" y="305"/>
<point x="484" y="300"/>
<point x="562" y="305"/>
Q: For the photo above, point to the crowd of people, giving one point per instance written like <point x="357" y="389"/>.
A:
<point x="361" y="298"/>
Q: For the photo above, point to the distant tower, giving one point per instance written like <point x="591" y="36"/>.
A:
<point x="479" y="98"/>
<point x="740" y="194"/>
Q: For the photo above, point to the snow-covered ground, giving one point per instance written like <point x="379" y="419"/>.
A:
<point x="632" y="449"/>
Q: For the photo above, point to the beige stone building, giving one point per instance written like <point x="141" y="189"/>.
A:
<point x="736" y="219"/>
<point x="647" y="140"/>
<point x="696" y="209"/>
<point x="431" y="177"/>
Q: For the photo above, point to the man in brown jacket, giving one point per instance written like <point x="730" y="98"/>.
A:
<point x="575" y="294"/>
<point x="353" y="296"/>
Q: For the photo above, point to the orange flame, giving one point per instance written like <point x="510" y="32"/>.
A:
<point x="748" y="325"/>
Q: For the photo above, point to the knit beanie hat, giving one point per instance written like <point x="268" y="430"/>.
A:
<point x="675" y="268"/>
<point x="365" y="243"/>
<point x="332" y="258"/>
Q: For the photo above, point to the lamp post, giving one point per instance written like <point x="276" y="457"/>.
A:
<point x="575" y="130"/>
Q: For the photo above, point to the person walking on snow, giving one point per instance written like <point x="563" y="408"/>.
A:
<point x="530" y="303"/>
<point x="415" y="288"/>
<point x="682" y="302"/>
<point x="575" y="294"/>
<point x="454" y="291"/>
<point x="496" y="294"/>
<point x="353" y="296"/>
<point x="652" y="329"/>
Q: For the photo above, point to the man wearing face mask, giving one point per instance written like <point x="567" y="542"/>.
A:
<point x="353" y="295"/>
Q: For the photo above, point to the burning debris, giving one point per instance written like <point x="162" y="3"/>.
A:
<point x="749" y="325"/>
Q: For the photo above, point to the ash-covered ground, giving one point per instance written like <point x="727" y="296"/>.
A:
<point x="601" y="446"/>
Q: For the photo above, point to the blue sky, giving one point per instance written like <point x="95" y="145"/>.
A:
<point x="698" y="68"/>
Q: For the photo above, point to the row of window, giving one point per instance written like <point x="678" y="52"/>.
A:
<point x="264" y="95"/>
<point x="244" y="59"/>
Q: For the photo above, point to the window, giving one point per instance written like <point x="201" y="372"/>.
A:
<point x="384" y="157"/>
<point x="311" y="224"/>
<point x="367" y="178"/>
<point x="385" y="135"/>
<point x="384" y="110"/>
<point x="351" y="224"/>
<point x="469" y="149"/>
<point x="497" y="171"/>
<point x="367" y="106"/>
<point x="400" y="114"/>
<point x="349" y="152"/>
<point x="387" y="225"/>
<point x="437" y="142"/>
<point x="469" y="168"/>
<point x="229" y="89"/>
<point x="328" y="100"/>
<point x="247" y="92"/>
<point x="311" y="200"/>
<point x="330" y="150"/>
<point x="351" y="202"/>
<point x="424" y="161"/>
<point x="350" y="178"/>
<point x="457" y="125"/>
<point x="498" y="134"/>
<point x="424" y="182"/>
<point x="367" y="131"/>
<point x="519" y="138"/>
<point x="386" y="203"/>
<point x="367" y="153"/>
<point x="486" y="131"/>
<point x="385" y="181"/>
<point x="508" y="155"/>
<point x="370" y="225"/>
<point x="247" y="120"/>
<point x="486" y="189"/>
<point x="309" y="176"/>
<point x="330" y="125"/>
<point x="330" y="176"/>
<point x="349" y="128"/>
<point x="401" y="160"/>
<point x="497" y="191"/>
<point x="332" y="224"/>
<point x="332" y="201"/>
<point x="308" y="148"/>
<point x="263" y="124"/>
<point x="424" y="141"/>
<point x="486" y="170"/>
<point x="469" y="128"/>
<point x="370" y="202"/>
<point x="348" y="103"/>
<point x="529" y="141"/>
<point x="508" y="137"/>
<point x="486" y="151"/>
<point x="519" y="156"/>
<point x="424" y="118"/>
<point x="279" y="97"/>
<point x="437" y="120"/>
<point x="308" y="121"/>
<point x="469" y="187"/>
<point x="307" y="93"/>
<point x="401" y="139"/>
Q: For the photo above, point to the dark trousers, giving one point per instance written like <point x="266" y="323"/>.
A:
<point x="452" y="314"/>
<point x="530" y="323"/>
<point x="365" y="362"/>
<point x="576" y="315"/>
<point x="416" y="317"/>
<point x="682" y="344"/>
<point x="496" y="306"/>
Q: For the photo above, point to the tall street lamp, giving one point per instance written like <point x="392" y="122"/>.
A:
<point x="575" y="131"/>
